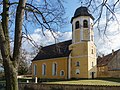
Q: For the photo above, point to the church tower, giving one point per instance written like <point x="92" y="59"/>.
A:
<point x="83" y="50"/>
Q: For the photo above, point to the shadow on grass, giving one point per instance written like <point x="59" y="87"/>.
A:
<point x="110" y="79"/>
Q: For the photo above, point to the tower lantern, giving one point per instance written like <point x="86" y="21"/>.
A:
<point x="82" y="23"/>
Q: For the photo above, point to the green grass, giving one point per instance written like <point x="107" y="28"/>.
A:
<point x="111" y="79"/>
<point x="109" y="82"/>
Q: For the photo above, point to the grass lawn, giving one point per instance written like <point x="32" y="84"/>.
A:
<point x="110" y="82"/>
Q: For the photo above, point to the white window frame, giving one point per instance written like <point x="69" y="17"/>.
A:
<point x="77" y="71"/>
<point x="85" y="23"/>
<point x="92" y="51"/>
<point x="77" y="25"/>
<point x="78" y="63"/>
<point x="43" y="69"/>
<point x="54" y="73"/>
<point x="61" y="73"/>
<point x="35" y="69"/>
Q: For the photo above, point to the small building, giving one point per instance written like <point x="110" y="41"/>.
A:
<point x="74" y="58"/>
<point x="109" y="65"/>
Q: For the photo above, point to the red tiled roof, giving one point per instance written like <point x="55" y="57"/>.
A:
<point x="102" y="61"/>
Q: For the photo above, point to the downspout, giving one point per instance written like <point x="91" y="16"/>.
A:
<point x="69" y="66"/>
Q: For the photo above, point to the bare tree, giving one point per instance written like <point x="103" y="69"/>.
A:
<point x="106" y="23"/>
<point x="16" y="17"/>
<point x="103" y="10"/>
<point x="23" y="65"/>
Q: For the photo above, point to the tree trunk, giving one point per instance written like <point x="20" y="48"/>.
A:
<point x="10" y="72"/>
<point x="10" y="63"/>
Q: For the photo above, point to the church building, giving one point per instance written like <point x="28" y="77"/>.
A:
<point x="74" y="58"/>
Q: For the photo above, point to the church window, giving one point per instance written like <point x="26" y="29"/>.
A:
<point x="92" y="52"/>
<point x="35" y="69"/>
<point x="77" y="71"/>
<point x="77" y="63"/>
<point x="43" y="69"/>
<point x="85" y="24"/>
<point x="62" y="73"/>
<point x="54" y="69"/>
<point x="92" y="37"/>
<point x="77" y="25"/>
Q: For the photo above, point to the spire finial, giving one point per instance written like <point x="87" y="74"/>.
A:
<point x="81" y="3"/>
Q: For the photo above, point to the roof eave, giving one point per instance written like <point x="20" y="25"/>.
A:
<point x="82" y="15"/>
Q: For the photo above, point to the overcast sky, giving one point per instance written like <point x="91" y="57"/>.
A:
<point x="104" y="44"/>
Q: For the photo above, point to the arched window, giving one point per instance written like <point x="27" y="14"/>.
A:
<point x="77" y="63"/>
<point x="92" y="51"/>
<point x="85" y="24"/>
<point x="54" y="69"/>
<point x="77" y="71"/>
<point x="35" y="69"/>
<point x="62" y="73"/>
<point x="43" y="69"/>
<point x="77" y="25"/>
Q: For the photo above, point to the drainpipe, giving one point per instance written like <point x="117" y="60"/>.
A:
<point x="69" y="66"/>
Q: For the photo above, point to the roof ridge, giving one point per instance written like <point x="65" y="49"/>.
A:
<point x="56" y="43"/>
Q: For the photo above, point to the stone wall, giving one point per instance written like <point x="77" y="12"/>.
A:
<point x="115" y="73"/>
<point x="33" y="86"/>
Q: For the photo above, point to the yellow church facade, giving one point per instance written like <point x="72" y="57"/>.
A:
<point x="74" y="58"/>
<point x="61" y="72"/>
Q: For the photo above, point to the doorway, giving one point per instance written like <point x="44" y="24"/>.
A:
<point x="93" y="75"/>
